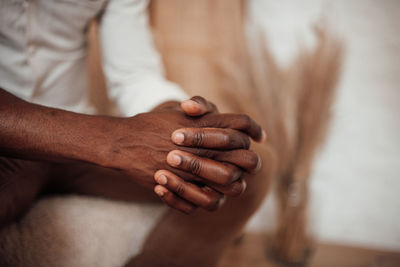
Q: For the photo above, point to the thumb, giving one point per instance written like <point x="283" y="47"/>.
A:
<point x="198" y="106"/>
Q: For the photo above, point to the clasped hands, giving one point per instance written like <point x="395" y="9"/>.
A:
<point x="190" y="154"/>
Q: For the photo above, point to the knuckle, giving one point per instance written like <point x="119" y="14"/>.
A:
<point x="236" y="189"/>
<point x="253" y="159"/>
<point x="246" y="121"/>
<point x="226" y="139"/>
<point x="236" y="138"/>
<point x="195" y="166"/>
<point x="231" y="174"/>
<point x="244" y="141"/>
<point x="207" y="202"/>
<point x="225" y="179"/>
<point x="211" y="203"/>
<point x="198" y="138"/>
<point x="180" y="189"/>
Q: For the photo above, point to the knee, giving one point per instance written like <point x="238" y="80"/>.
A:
<point x="19" y="187"/>
<point x="258" y="185"/>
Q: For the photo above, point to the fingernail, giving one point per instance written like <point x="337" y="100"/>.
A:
<point x="178" y="138"/>
<point x="221" y="202"/>
<point x="190" y="103"/>
<point x="244" y="186"/>
<point x="174" y="159"/>
<point x="161" y="179"/>
<point x="191" y="108"/>
<point x="263" y="136"/>
<point x="159" y="190"/>
<point x="259" y="163"/>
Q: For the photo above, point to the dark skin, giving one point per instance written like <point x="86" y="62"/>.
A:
<point x="198" y="170"/>
<point x="226" y="145"/>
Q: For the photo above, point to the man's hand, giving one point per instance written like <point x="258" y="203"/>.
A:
<point x="138" y="146"/>
<point x="185" y="196"/>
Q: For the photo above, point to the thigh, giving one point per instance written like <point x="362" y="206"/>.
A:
<point x="21" y="182"/>
<point x="93" y="180"/>
<point x="200" y="239"/>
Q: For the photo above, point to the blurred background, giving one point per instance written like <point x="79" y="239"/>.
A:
<point x="354" y="184"/>
<point x="355" y="181"/>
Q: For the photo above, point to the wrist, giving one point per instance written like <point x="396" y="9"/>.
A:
<point x="115" y="137"/>
<point x="101" y="146"/>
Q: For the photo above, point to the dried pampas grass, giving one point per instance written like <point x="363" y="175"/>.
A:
<point x="314" y="77"/>
<point x="294" y="105"/>
<point x="209" y="55"/>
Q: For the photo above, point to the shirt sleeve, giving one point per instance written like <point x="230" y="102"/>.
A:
<point x="131" y="64"/>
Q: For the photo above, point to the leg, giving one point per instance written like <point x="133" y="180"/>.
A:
<point x="22" y="181"/>
<point x="77" y="231"/>
<point x="201" y="238"/>
<point x="20" y="184"/>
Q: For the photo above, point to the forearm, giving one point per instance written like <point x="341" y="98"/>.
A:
<point x="36" y="132"/>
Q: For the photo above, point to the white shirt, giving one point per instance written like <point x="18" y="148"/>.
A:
<point x="43" y="54"/>
<point x="43" y="60"/>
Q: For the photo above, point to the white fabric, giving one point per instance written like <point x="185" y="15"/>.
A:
<point x="133" y="70"/>
<point x="43" y="60"/>
<point x="79" y="232"/>
<point x="43" y="54"/>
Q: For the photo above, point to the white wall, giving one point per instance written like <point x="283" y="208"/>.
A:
<point x="356" y="180"/>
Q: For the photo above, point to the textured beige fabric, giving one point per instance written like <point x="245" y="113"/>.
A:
<point x="80" y="232"/>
